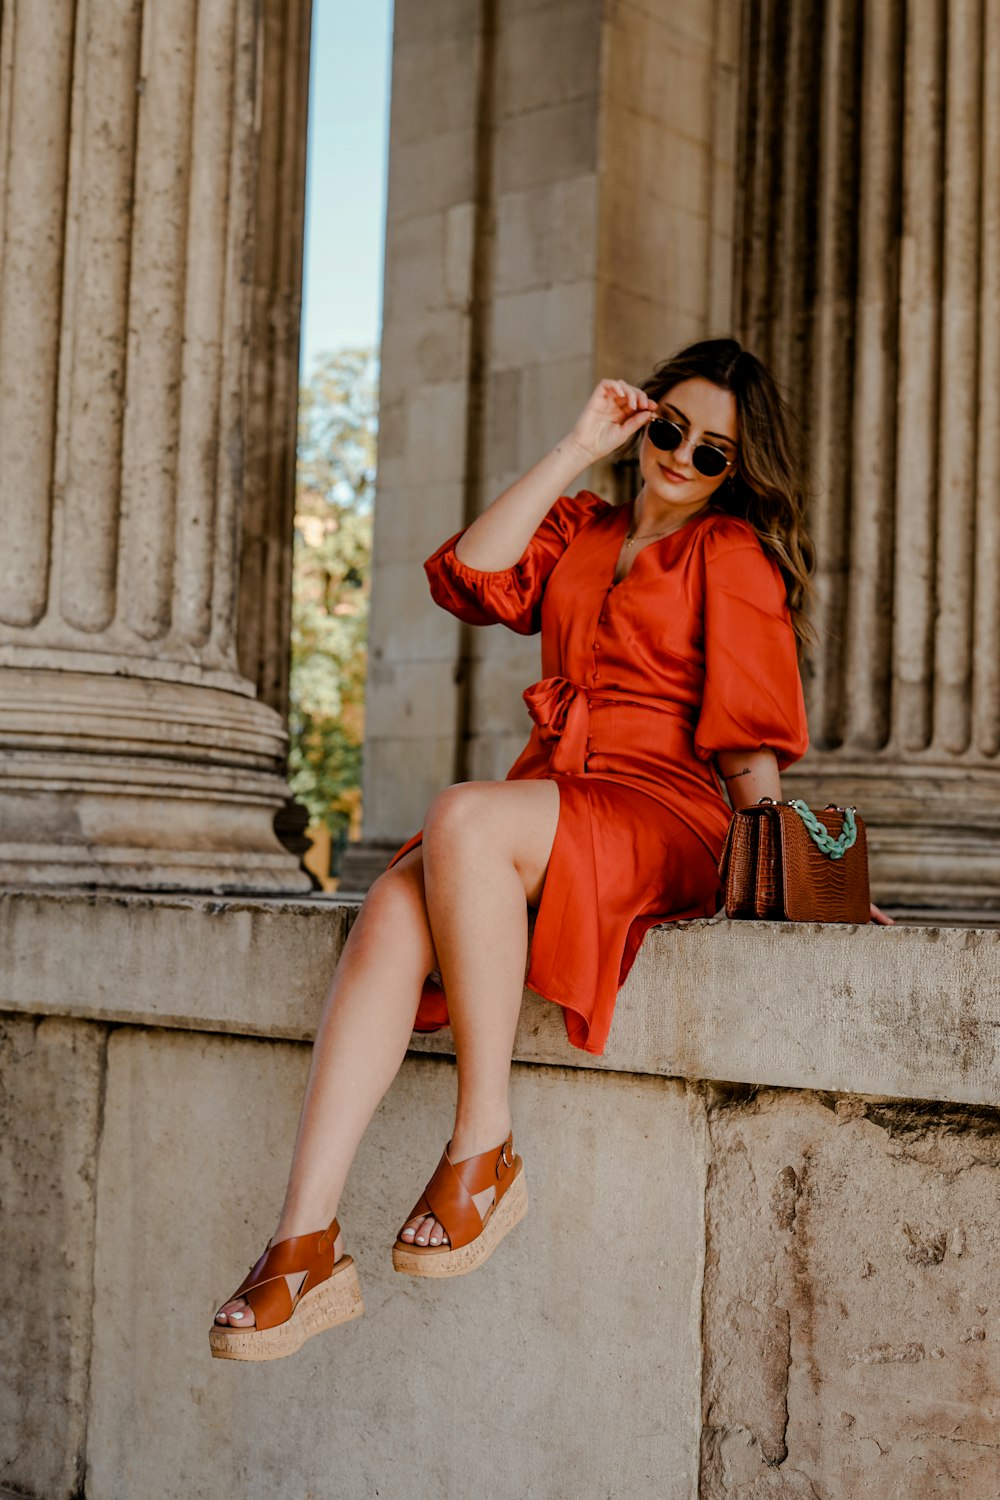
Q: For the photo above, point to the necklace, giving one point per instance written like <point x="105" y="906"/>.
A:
<point x="647" y="537"/>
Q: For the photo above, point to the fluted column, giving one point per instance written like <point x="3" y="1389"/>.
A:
<point x="136" y="312"/>
<point x="869" y="274"/>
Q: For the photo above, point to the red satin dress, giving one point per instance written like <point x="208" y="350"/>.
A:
<point x="643" y="681"/>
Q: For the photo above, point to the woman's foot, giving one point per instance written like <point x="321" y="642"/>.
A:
<point x="424" y="1229"/>
<point x="237" y="1313"/>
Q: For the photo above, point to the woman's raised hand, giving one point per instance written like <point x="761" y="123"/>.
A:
<point x="614" y="412"/>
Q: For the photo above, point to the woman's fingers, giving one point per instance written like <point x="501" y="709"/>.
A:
<point x="614" y="412"/>
<point x="628" y="398"/>
<point x="879" y="916"/>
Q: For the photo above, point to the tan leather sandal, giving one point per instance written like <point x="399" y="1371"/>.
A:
<point x="448" y="1196"/>
<point x="330" y="1294"/>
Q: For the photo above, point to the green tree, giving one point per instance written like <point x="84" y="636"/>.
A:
<point x="338" y="410"/>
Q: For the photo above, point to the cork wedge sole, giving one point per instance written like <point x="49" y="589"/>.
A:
<point x="336" y="1300"/>
<point x="447" y="1262"/>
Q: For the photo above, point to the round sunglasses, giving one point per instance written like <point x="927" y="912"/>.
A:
<point x="707" y="459"/>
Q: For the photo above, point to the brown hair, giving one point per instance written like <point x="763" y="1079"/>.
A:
<point x="767" y="487"/>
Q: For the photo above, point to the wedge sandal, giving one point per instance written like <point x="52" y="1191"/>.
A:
<point x="330" y="1294"/>
<point x="448" y="1196"/>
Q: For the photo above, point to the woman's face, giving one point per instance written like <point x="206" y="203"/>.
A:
<point x="705" y="414"/>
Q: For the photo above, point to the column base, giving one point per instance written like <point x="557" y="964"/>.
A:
<point x="933" y="830"/>
<point x="127" y="783"/>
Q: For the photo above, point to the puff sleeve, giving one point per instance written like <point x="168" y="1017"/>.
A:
<point x="510" y="596"/>
<point x="752" y="695"/>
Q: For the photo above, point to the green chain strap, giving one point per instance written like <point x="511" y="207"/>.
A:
<point x="820" y="834"/>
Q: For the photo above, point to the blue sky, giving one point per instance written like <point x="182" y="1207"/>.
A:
<point x="346" y="175"/>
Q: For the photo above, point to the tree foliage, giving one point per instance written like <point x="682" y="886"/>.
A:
<point x="338" y="409"/>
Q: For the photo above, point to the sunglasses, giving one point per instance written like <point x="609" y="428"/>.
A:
<point x="707" y="459"/>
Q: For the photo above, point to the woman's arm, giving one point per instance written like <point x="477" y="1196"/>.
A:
<point x="751" y="774"/>
<point x="497" y="538"/>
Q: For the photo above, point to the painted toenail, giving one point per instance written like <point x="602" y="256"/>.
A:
<point x="434" y="1239"/>
<point x="236" y="1315"/>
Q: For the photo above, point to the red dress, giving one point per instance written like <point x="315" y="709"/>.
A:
<point x="692" y="652"/>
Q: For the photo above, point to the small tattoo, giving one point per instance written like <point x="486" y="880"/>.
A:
<point x="733" y="774"/>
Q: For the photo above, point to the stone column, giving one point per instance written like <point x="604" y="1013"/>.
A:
<point x="560" y="208"/>
<point x="140" y="144"/>
<point x="869" y="275"/>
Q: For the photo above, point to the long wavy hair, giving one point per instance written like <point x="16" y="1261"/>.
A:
<point x="767" y="486"/>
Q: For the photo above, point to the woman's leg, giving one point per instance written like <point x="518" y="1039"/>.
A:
<point x="362" y="1037"/>
<point x="486" y="852"/>
<point x="460" y="900"/>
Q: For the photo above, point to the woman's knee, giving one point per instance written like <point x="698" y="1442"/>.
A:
<point x="396" y="894"/>
<point x="458" y="813"/>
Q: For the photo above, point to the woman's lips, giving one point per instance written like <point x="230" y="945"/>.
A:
<point x="677" y="478"/>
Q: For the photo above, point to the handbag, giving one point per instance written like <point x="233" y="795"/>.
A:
<point x="781" y="862"/>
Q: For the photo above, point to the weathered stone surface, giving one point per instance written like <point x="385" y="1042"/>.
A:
<point x="51" y="1080"/>
<point x="906" y="1012"/>
<point x="851" y="1323"/>
<point x="553" y="1370"/>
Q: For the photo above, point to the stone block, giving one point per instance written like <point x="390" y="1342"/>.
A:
<point x="435" y="432"/>
<point x="492" y="755"/>
<point x="637" y="333"/>
<point x="851" y="1322"/>
<point x="658" y="70"/>
<point x="413" y="698"/>
<point x="434" y="86"/>
<point x="670" y="268"/>
<point x="721" y="284"/>
<point x="600" y="1370"/>
<point x="51" y="1074"/>
<point x="655" y="163"/>
<point x="451" y="19"/>
<point x="905" y="1012"/>
<point x="391" y="426"/>
<point x="552" y="396"/>
<point x="411" y="522"/>
<point x="551" y="144"/>
<point x="532" y="327"/>
<point x="245" y="964"/>
<point x="546" y="235"/>
<point x="431" y="174"/>
<point x="426" y="348"/>
<point x="409" y="622"/>
<point x="406" y="774"/>
<point x="696" y="21"/>
<point x="459" y="246"/>
<point x="389" y="650"/>
<point x="415" y="267"/>
<point x="501" y="427"/>
<point x="547" y="56"/>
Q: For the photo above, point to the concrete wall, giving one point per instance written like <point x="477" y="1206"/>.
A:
<point x="774" y="1287"/>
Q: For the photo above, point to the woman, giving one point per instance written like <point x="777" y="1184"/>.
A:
<point x="670" y="631"/>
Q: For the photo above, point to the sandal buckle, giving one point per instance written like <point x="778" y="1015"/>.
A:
<point x="503" y="1157"/>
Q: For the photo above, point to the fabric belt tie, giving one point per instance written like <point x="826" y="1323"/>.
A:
<point x="561" y="710"/>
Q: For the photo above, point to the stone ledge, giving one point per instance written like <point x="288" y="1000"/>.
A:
<point x="907" y="1012"/>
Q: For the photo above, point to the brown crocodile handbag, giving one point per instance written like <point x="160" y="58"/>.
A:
<point x="783" y="862"/>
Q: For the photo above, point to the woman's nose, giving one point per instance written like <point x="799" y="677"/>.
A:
<point x="685" y="450"/>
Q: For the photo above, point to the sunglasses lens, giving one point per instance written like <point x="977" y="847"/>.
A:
<point x="667" y="436"/>
<point x="709" y="461"/>
<point x="664" y="435"/>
